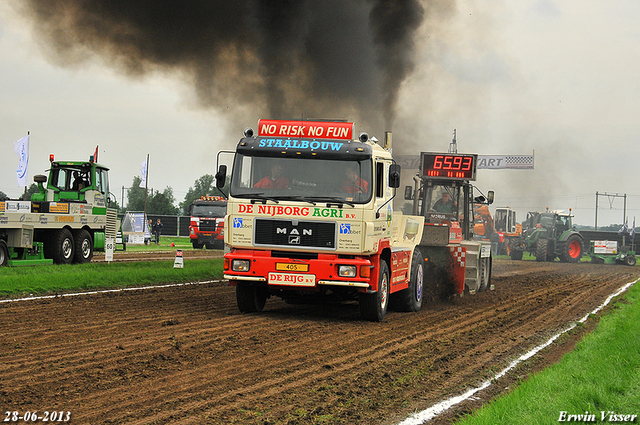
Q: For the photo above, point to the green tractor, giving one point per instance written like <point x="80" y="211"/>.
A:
<point x="548" y="235"/>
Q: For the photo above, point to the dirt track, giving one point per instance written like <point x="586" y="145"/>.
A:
<point x="185" y="355"/>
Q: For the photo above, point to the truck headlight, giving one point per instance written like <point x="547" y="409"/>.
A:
<point x="347" y="271"/>
<point x="240" y="265"/>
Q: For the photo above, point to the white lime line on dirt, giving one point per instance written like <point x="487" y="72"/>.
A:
<point x="106" y="291"/>
<point x="441" y="407"/>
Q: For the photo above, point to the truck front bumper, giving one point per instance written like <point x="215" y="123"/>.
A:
<point x="308" y="273"/>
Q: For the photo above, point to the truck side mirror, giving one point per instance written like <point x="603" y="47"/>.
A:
<point x="394" y="175"/>
<point x="408" y="193"/>
<point x="221" y="176"/>
<point x="490" y="195"/>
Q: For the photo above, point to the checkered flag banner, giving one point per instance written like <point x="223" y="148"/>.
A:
<point x="498" y="162"/>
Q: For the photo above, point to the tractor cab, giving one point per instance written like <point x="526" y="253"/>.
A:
<point x="73" y="181"/>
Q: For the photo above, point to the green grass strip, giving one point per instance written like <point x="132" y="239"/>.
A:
<point x="18" y="281"/>
<point x="600" y="377"/>
<point x="179" y="242"/>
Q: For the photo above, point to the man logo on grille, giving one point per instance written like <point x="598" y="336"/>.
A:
<point x="237" y="223"/>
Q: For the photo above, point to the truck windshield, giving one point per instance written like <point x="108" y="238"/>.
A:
<point x="70" y="178"/>
<point x="441" y="202"/>
<point x="305" y="179"/>
<point x="216" y="211"/>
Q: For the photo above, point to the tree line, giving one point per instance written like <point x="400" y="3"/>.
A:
<point x="163" y="203"/>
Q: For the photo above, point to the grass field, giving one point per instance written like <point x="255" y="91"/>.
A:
<point x="598" y="382"/>
<point x="179" y="242"/>
<point x="20" y="281"/>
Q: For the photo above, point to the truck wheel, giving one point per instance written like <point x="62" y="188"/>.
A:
<point x="572" y="249"/>
<point x="4" y="254"/>
<point x="250" y="299"/>
<point x="373" y="307"/>
<point x="410" y="299"/>
<point x="629" y="260"/>
<point x="196" y="245"/>
<point x="541" y="249"/>
<point x="61" y="247"/>
<point x="84" y="247"/>
<point x="514" y="251"/>
<point x="484" y="274"/>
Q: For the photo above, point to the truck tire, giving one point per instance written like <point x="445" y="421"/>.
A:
<point x="59" y="247"/>
<point x="484" y="274"/>
<point x="373" y="307"/>
<point x="4" y="254"/>
<point x="572" y="249"/>
<point x="515" y="251"/>
<point x="196" y="245"/>
<point x="250" y="299"/>
<point x="541" y="249"/>
<point x="410" y="299"/>
<point x="83" y="246"/>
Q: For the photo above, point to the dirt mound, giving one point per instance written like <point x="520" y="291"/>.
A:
<point x="186" y="355"/>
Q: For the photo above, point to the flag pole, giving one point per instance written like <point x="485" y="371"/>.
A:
<point x="146" y="184"/>
<point x="24" y="197"/>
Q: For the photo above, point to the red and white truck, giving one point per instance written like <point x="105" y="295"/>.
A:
<point x="310" y="214"/>
<point x="206" y="227"/>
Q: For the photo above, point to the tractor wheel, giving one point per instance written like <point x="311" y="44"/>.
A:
<point x="514" y="250"/>
<point x="250" y="299"/>
<point x="541" y="249"/>
<point x="4" y="254"/>
<point x="410" y="299"/>
<point x="572" y="249"/>
<point x="630" y="260"/>
<point x="59" y="247"/>
<point x="83" y="246"/>
<point x="484" y="274"/>
<point x="373" y="307"/>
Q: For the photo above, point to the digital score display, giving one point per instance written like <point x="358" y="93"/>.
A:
<point x="450" y="166"/>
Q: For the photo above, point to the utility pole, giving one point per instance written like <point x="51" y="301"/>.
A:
<point x="611" y="195"/>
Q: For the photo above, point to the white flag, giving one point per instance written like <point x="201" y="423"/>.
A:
<point x="143" y="170"/>
<point x="22" y="150"/>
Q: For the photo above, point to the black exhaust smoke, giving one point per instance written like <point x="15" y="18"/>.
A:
<point x="271" y="58"/>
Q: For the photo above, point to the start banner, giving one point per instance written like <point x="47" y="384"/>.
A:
<point x="485" y="162"/>
<point x="498" y="162"/>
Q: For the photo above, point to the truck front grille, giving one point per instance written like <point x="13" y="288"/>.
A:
<point x="207" y="225"/>
<point x="295" y="234"/>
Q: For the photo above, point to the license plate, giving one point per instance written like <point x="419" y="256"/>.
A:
<point x="292" y="267"/>
<point x="292" y="279"/>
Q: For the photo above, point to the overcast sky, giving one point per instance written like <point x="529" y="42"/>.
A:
<point x="560" y="78"/>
